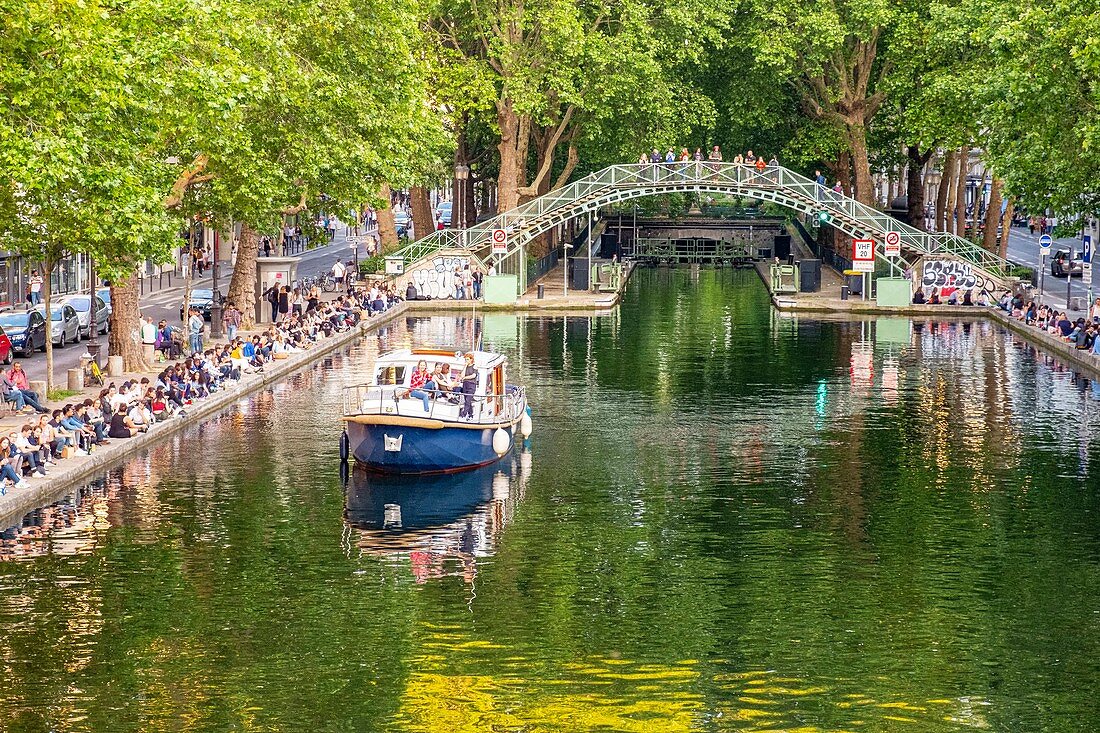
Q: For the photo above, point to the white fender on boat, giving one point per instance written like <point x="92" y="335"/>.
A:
<point x="502" y="441"/>
<point x="525" y="425"/>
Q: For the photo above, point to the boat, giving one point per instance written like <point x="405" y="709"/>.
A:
<point x="389" y="431"/>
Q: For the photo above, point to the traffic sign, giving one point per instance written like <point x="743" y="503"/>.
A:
<point x="1086" y="273"/>
<point x="499" y="239"/>
<point x="863" y="250"/>
<point x="1086" y="248"/>
<point x="1044" y="244"/>
<point x="893" y="245"/>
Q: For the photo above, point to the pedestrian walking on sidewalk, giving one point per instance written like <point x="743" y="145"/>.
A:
<point x="232" y="320"/>
<point x="34" y="288"/>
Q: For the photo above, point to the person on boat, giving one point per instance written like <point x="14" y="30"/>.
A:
<point x="421" y="385"/>
<point x="468" y="387"/>
<point x="442" y="379"/>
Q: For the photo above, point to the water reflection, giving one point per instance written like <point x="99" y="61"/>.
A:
<point x="441" y="525"/>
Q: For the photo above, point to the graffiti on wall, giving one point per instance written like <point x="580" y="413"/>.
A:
<point x="952" y="274"/>
<point x="435" y="277"/>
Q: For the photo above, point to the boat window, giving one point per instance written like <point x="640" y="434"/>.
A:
<point x="391" y="375"/>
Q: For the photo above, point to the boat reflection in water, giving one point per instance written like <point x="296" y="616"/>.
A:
<point x="444" y="524"/>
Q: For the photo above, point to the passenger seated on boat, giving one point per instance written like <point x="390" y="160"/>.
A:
<point x="443" y="383"/>
<point x="420" y="384"/>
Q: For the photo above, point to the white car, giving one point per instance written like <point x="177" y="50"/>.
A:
<point x="84" y="313"/>
<point x="64" y="324"/>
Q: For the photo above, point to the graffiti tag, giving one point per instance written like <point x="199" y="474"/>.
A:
<point x="437" y="278"/>
<point x="951" y="274"/>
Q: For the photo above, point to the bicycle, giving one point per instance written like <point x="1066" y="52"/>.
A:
<point x="328" y="282"/>
<point x="93" y="375"/>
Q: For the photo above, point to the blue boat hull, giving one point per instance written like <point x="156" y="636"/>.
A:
<point x="421" y="450"/>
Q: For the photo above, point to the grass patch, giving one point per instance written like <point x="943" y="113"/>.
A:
<point x="56" y="395"/>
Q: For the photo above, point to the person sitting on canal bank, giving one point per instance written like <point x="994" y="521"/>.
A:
<point x="918" y="297"/>
<point x="1065" y="325"/>
<point x="93" y="418"/>
<point x="934" y="298"/>
<point x="10" y="464"/>
<point x="21" y="381"/>
<point x="27" y="452"/>
<point x="21" y="401"/>
<point x="122" y="426"/>
<point x="468" y="387"/>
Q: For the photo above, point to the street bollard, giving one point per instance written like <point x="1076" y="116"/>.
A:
<point x="75" y="380"/>
<point x="540" y="289"/>
<point x="115" y="365"/>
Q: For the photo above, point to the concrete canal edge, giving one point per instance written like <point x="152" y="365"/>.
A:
<point x="791" y="303"/>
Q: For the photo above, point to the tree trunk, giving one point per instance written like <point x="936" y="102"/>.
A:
<point x="125" y="337"/>
<point x="1010" y="211"/>
<point x="844" y="172"/>
<point x="947" y="172"/>
<point x="861" y="164"/>
<point x="960" y="191"/>
<point x="993" y="215"/>
<point x="914" y="186"/>
<point x="423" y="219"/>
<point x="387" y="229"/>
<point x="242" y="287"/>
<point x="508" y="177"/>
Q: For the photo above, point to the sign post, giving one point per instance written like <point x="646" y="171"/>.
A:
<point x="892" y="247"/>
<point x="863" y="260"/>
<point x="1086" y="268"/>
<point x="499" y="239"/>
<point x="1044" y="249"/>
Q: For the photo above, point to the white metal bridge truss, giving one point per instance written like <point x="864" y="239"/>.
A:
<point x="776" y="184"/>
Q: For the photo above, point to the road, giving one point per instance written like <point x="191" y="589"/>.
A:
<point x="165" y="302"/>
<point x="1023" y="248"/>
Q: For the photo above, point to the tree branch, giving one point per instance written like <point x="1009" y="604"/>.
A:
<point x="548" y="159"/>
<point x="186" y="179"/>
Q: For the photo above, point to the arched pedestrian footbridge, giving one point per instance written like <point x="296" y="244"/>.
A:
<point x="774" y="183"/>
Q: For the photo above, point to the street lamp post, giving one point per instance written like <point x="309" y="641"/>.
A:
<point x="216" y="299"/>
<point x="93" y="327"/>
<point x="462" y="174"/>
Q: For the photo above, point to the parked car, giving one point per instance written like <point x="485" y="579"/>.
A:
<point x="105" y="295"/>
<point x="1063" y="264"/>
<point x="26" y="331"/>
<point x="80" y="304"/>
<point x="201" y="299"/>
<point x="443" y="212"/>
<point x="6" y="349"/>
<point x="403" y="222"/>
<point x="64" y="324"/>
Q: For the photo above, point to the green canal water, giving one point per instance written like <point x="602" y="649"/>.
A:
<point x="726" y="520"/>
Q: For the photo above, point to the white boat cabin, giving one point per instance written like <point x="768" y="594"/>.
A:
<point x="389" y="390"/>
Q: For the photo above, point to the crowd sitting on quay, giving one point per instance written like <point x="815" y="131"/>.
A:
<point x="196" y="371"/>
<point x="1082" y="333"/>
<point x="952" y="296"/>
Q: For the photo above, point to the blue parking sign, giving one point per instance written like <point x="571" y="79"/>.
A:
<point x="1086" y="248"/>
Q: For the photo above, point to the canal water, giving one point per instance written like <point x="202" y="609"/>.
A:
<point x="726" y="520"/>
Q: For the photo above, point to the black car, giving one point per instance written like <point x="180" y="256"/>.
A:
<point x="27" y="331"/>
<point x="201" y="299"/>
<point x="1063" y="264"/>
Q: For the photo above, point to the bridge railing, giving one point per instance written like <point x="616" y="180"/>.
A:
<point x="774" y="183"/>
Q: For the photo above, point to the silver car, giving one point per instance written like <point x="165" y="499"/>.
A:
<point x="83" y="312"/>
<point x="64" y="324"/>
